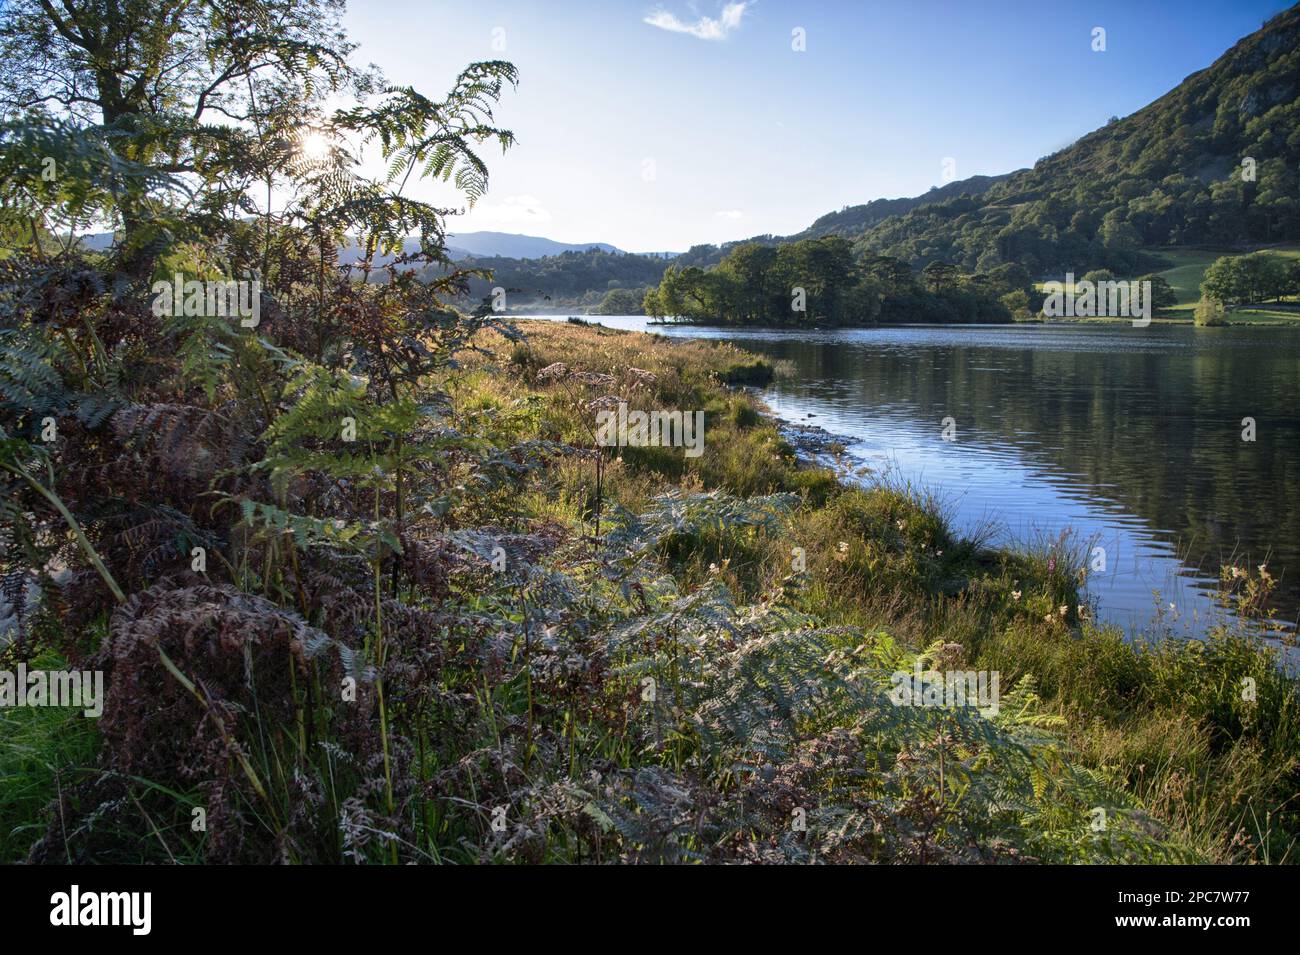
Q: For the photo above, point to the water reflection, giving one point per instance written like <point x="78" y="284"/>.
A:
<point x="1131" y="438"/>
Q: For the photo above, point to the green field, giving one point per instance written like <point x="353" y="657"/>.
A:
<point x="1187" y="269"/>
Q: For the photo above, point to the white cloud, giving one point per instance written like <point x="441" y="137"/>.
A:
<point x="706" y="28"/>
<point x="512" y="210"/>
<point x="730" y="214"/>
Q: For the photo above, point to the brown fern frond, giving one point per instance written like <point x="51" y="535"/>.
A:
<point x="183" y="441"/>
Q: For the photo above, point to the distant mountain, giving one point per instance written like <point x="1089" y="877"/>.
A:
<point x="477" y="245"/>
<point x="461" y="246"/>
<point x="509" y="246"/>
<point x="571" y="281"/>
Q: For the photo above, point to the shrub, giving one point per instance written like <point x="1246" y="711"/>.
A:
<point x="1209" y="313"/>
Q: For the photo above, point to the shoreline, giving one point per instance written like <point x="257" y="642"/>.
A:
<point x="881" y="561"/>
<point x="589" y="319"/>
<point x="818" y="447"/>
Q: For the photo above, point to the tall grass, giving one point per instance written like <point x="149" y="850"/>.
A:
<point x="705" y="679"/>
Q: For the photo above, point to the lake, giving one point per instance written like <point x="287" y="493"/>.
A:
<point x="1128" y="438"/>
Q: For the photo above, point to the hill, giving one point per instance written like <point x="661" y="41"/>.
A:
<point x="570" y="281"/>
<point x="475" y="245"/>
<point x="460" y="246"/>
<point x="1213" y="163"/>
<point x="852" y="220"/>
<point x="511" y="246"/>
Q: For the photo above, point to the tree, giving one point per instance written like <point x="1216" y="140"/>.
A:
<point x="822" y="268"/>
<point x="1119" y="234"/>
<point x="862" y="302"/>
<point x="939" y="276"/>
<point x="621" y="301"/>
<point x="650" y="304"/>
<point x="1209" y="312"/>
<point x="696" y="293"/>
<point x="221" y="96"/>
<point x="1224" y="281"/>
<point x="1017" y="303"/>
<point x="894" y="275"/>
<point x="1162" y="293"/>
<point x="669" y="294"/>
<point x="1238" y="279"/>
<point x="1010" y="277"/>
<point x="1269" y="275"/>
<point x="215" y="92"/>
<point x="749" y="267"/>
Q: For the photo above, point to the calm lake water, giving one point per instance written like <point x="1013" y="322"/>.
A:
<point x="1128" y="438"/>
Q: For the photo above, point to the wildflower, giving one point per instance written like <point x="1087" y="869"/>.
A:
<point x="902" y="524"/>
<point x="1015" y="595"/>
<point x="640" y="377"/>
<point x="1063" y="610"/>
<point x="842" y="552"/>
<point x="713" y="570"/>
<point x="555" y="371"/>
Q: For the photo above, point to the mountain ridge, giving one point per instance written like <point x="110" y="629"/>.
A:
<point x="511" y="245"/>
<point x="482" y="244"/>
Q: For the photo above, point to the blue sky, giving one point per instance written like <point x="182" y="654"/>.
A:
<point x="705" y="125"/>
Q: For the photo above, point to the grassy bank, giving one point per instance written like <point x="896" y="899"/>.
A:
<point x="1165" y="727"/>
<point x="638" y="655"/>
<point x="1184" y="272"/>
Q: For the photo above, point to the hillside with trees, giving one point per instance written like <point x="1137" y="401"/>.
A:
<point x="1214" y="162"/>
<point x="852" y="220"/>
